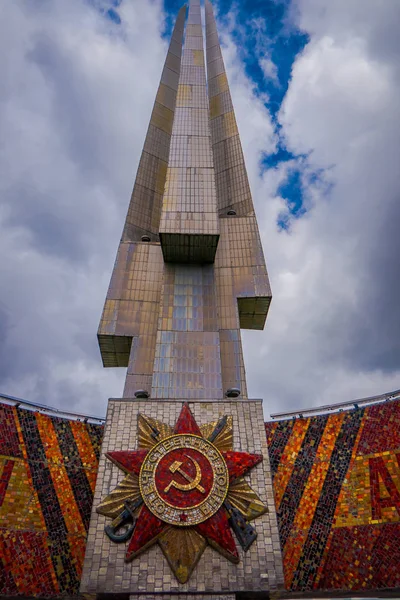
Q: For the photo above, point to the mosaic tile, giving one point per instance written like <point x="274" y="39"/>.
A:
<point x="336" y="484"/>
<point x="341" y="531"/>
<point x="48" y="469"/>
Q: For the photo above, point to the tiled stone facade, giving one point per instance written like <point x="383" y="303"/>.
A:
<point x="105" y="570"/>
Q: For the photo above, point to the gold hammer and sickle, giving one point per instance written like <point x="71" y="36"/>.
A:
<point x="193" y="483"/>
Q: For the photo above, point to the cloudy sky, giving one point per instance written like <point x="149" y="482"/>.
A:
<point x="315" y="85"/>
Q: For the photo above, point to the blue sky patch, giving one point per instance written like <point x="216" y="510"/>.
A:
<point x="292" y="191"/>
<point x="112" y="14"/>
<point x="108" y="8"/>
<point x="282" y="154"/>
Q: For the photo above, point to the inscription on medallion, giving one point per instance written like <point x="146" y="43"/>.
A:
<point x="184" y="480"/>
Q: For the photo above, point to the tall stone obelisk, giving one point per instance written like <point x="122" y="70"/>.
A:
<point x="178" y="448"/>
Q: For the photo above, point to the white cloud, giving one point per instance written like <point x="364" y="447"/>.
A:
<point x="332" y="332"/>
<point x="70" y="143"/>
<point x="269" y="69"/>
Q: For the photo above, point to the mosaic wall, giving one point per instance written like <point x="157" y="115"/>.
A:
<point x="48" y="469"/>
<point x="336" y="482"/>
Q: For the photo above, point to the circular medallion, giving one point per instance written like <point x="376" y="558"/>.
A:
<point x="184" y="480"/>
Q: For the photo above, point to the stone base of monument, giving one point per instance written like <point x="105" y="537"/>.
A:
<point x="193" y="482"/>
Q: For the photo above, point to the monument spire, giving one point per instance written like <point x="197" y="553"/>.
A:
<point x="190" y="271"/>
<point x="189" y="275"/>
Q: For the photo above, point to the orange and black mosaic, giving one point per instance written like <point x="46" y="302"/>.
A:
<point x="336" y="482"/>
<point x="48" y="469"/>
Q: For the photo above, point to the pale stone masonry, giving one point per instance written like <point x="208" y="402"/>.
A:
<point x="259" y="569"/>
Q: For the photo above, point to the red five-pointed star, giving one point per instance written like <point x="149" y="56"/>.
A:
<point x="216" y="529"/>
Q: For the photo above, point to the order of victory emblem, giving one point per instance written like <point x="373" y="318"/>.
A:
<point x="184" y="480"/>
<point x="184" y="488"/>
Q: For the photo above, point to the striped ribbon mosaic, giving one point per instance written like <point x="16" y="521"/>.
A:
<point x="48" y="469"/>
<point x="336" y="482"/>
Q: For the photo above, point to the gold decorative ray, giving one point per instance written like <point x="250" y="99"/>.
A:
<point x="224" y="440"/>
<point x="182" y="547"/>
<point x="245" y="499"/>
<point x="151" y="431"/>
<point x="113" y="504"/>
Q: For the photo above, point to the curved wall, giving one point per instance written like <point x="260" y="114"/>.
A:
<point x="336" y="483"/>
<point x="48" y="469"/>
